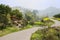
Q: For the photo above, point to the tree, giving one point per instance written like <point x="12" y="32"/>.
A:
<point x="3" y="22"/>
<point x="31" y="16"/>
<point x="17" y="14"/>
<point x="4" y="10"/>
<point x="57" y="15"/>
<point x="28" y="15"/>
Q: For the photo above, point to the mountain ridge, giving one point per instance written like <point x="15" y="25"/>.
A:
<point x="50" y="11"/>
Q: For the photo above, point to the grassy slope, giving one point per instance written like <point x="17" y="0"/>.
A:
<point x="9" y="30"/>
<point x="47" y="34"/>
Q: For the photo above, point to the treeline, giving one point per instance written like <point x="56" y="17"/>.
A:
<point x="57" y="15"/>
<point x="9" y="17"/>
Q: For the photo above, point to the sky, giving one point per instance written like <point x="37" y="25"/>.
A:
<point x="32" y="4"/>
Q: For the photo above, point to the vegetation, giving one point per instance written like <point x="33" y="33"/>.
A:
<point x="38" y="23"/>
<point x="9" y="30"/>
<point x="12" y="20"/>
<point x="10" y="17"/>
<point x="57" y="17"/>
<point x="47" y="34"/>
<point x="4" y="10"/>
<point x="47" y="22"/>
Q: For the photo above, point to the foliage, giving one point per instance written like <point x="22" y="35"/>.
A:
<point x="9" y="30"/>
<point x="28" y="26"/>
<point x="3" y="22"/>
<point x="4" y="9"/>
<point x="17" y="14"/>
<point x="31" y="15"/>
<point x="57" y="19"/>
<point x="47" y="34"/>
<point x="47" y="21"/>
<point x="28" y="15"/>
<point x="38" y="23"/>
<point x="46" y="18"/>
<point x="6" y="13"/>
<point x="57" y="15"/>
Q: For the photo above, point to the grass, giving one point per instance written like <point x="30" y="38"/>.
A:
<point x="46" y="18"/>
<point x="9" y="30"/>
<point x="38" y="23"/>
<point x="47" y="34"/>
<point x="46" y="22"/>
<point x="57" y="19"/>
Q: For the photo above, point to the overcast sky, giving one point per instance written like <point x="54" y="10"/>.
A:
<point x="32" y="4"/>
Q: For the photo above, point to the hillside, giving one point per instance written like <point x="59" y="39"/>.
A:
<point x="46" y="12"/>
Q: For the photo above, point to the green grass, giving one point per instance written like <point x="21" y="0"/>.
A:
<point x="57" y="19"/>
<point x="46" y="22"/>
<point x="9" y="30"/>
<point x="38" y="23"/>
<point x="47" y="34"/>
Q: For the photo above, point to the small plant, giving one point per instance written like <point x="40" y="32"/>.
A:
<point x="47" y="34"/>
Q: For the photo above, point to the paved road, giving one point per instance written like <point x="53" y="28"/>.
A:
<point x="21" y="35"/>
<point x="25" y="34"/>
<point x="57" y="23"/>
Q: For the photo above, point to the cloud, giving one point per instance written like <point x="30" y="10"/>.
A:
<point x="33" y="4"/>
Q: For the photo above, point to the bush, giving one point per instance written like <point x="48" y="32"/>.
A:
<point x="38" y="23"/>
<point x="47" y="34"/>
<point x="57" y="15"/>
<point x="57" y="19"/>
<point x="8" y="30"/>
<point x="28" y="26"/>
<point x="45" y="19"/>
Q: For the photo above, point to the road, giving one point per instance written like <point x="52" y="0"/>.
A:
<point x="57" y="23"/>
<point x="25" y="34"/>
<point x="21" y="35"/>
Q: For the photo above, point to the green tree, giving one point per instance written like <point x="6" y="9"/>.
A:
<point x="17" y="14"/>
<point x="29" y="16"/>
<point x="57" y="15"/>
<point x="4" y="10"/>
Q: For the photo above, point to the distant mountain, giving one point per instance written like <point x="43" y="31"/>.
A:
<point x="47" y="12"/>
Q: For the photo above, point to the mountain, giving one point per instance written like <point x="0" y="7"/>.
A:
<point x="47" y="12"/>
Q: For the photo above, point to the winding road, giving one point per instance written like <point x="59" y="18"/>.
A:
<point x="25" y="34"/>
<point x="57" y="23"/>
<point x="21" y="35"/>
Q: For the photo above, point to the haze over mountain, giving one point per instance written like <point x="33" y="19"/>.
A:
<point x="46" y="12"/>
<point x="50" y="11"/>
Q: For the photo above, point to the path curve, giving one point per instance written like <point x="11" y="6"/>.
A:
<point x="25" y="34"/>
<point x="57" y="23"/>
<point x="21" y="35"/>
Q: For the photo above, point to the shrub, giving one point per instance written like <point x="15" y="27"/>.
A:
<point x="47" y="34"/>
<point x="8" y="30"/>
<point x="38" y="23"/>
